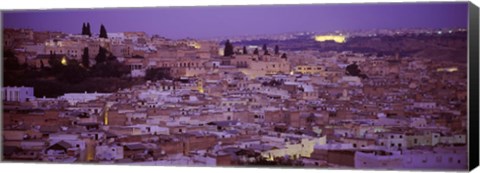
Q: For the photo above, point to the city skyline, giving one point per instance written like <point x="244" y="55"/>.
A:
<point x="203" y="22"/>
<point x="359" y="86"/>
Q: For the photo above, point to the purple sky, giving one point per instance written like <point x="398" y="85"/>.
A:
<point x="207" y="22"/>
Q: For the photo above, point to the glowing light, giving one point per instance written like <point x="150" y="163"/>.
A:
<point x="196" y="45"/>
<point x="64" y="61"/>
<point x="200" y="87"/>
<point x="90" y="150"/>
<point x="291" y="72"/>
<point x="105" y="115"/>
<point x="452" y="69"/>
<point x="336" y="38"/>
<point x="448" y="69"/>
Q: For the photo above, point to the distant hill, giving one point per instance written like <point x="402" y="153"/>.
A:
<point x="447" y="46"/>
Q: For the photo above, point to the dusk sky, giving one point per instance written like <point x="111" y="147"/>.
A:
<point x="219" y="21"/>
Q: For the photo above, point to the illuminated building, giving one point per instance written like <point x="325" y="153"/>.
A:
<point x="335" y="38"/>
<point x="309" y="69"/>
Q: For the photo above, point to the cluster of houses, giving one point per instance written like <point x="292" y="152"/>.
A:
<point x="245" y="109"/>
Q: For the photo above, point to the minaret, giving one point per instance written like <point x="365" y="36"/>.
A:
<point x="200" y="86"/>
<point x="105" y="115"/>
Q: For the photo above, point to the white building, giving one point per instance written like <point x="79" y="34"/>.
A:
<point x="441" y="158"/>
<point x="392" y="140"/>
<point x="378" y="159"/>
<point x="152" y="129"/>
<point x="105" y="152"/>
<point x="138" y="72"/>
<point x="74" y="98"/>
<point x="17" y="94"/>
<point x="72" y="139"/>
<point x="351" y="80"/>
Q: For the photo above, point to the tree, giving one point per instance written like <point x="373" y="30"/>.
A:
<point x="111" y="58"/>
<point x="109" y="69"/>
<point x="10" y="60"/>
<point x="103" y="32"/>
<point x="42" y="66"/>
<point x="88" y="31"/>
<point x="55" y="64"/>
<point x="228" y="51"/>
<point x="107" y="65"/>
<point x="255" y="51"/>
<point x="154" y="74"/>
<point x="73" y="73"/>
<point x="245" y="50"/>
<point x="84" y="29"/>
<point x="277" y="51"/>
<point x="265" y="50"/>
<point x="353" y="70"/>
<point x="284" y="56"/>
<point x="25" y="63"/>
<point x="101" y="56"/>
<point x="85" y="58"/>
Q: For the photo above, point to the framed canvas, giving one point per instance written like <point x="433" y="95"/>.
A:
<point x="359" y="86"/>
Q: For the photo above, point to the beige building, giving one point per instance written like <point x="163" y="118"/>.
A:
<point x="260" y="65"/>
